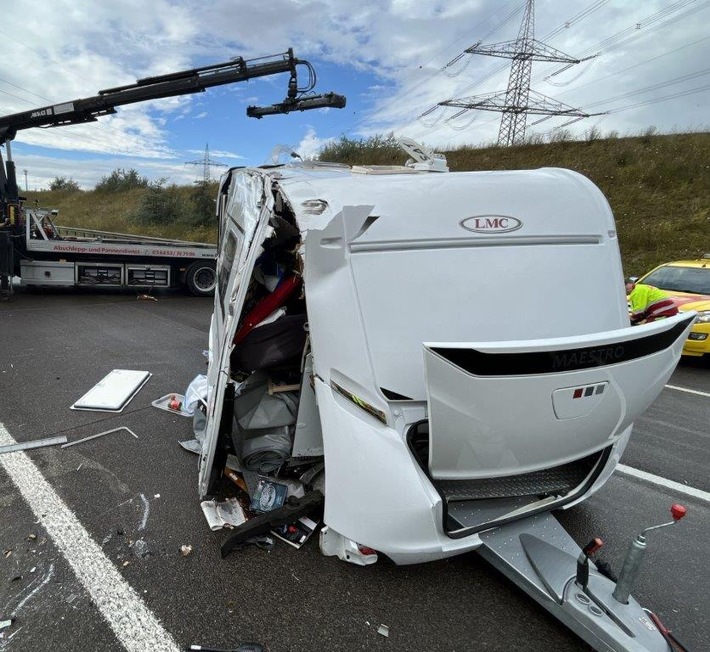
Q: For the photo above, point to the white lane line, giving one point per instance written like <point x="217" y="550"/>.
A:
<point x="664" y="482"/>
<point x="689" y="391"/>
<point x="123" y="609"/>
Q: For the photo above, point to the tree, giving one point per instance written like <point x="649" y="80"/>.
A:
<point x="64" y="184"/>
<point x="120" y="180"/>
<point x="160" y="205"/>
<point x="203" y="204"/>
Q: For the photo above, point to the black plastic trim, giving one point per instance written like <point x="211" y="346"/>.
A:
<point x="394" y="396"/>
<point x="546" y="362"/>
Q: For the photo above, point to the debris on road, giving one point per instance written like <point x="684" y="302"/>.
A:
<point x="172" y="402"/>
<point x="37" y="443"/>
<point x="297" y="533"/>
<point x="185" y="550"/>
<point x="228" y="513"/>
<point x="243" y="647"/>
<point x="113" y="392"/>
<point x="100" y="434"/>
<point x="383" y="630"/>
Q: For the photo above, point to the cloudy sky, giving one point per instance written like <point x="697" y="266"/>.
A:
<point x="393" y="59"/>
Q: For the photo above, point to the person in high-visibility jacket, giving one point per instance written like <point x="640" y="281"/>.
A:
<point x="648" y="303"/>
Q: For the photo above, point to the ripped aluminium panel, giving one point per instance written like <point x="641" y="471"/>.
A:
<point x="114" y="391"/>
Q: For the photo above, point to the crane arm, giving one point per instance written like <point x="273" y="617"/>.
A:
<point x="196" y="80"/>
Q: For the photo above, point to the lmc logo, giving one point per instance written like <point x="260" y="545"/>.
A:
<point x="491" y="223"/>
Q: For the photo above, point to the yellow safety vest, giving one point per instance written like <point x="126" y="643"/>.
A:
<point x="643" y="296"/>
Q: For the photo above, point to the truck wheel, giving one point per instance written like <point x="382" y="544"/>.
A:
<point x="201" y="278"/>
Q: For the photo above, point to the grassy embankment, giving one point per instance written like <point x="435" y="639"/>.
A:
<point x="118" y="212"/>
<point x="658" y="188"/>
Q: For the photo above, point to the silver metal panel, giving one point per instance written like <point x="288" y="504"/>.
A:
<point x="593" y="615"/>
<point x="556" y="480"/>
<point x="308" y="438"/>
<point x="473" y="513"/>
<point x="37" y="272"/>
<point x="114" y="391"/>
<point x="554" y="567"/>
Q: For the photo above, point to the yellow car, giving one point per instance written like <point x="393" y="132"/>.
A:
<point x="687" y="282"/>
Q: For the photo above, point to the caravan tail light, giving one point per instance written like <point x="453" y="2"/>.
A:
<point x="365" y="550"/>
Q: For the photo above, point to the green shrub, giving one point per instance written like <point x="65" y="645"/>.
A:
<point x="63" y="184"/>
<point x="121" y="180"/>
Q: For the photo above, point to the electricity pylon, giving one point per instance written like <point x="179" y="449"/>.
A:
<point x="206" y="162"/>
<point x="518" y="101"/>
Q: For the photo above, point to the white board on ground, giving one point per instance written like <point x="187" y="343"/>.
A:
<point x="114" y="391"/>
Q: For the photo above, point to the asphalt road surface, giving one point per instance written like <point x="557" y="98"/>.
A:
<point x="111" y="577"/>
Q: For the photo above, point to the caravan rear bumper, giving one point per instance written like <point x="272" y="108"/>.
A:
<point x="380" y="495"/>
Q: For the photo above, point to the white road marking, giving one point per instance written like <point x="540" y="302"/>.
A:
<point x="123" y="609"/>
<point x="664" y="482"/>
<point x="689" y="391"/>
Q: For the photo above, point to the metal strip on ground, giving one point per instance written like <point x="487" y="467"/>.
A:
<point x="37" y="443"/>
<point x="100" y="434"/>
<point x="135" y="626"/>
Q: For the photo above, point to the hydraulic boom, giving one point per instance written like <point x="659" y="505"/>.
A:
<point x="196" y="80"/>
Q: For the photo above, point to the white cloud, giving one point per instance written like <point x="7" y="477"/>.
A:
<point x="311" y="144"/>
<point x="386" y="55"/>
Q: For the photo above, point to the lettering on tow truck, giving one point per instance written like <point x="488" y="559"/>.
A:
<point x="588" y="357"/>
<point x="491" y="223"/>
<point x="40" y="113"/>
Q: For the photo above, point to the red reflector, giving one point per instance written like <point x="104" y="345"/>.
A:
<point x="365" y="550"/>
<point x="577" y="393"/>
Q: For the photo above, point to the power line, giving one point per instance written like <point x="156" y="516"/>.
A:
<point x="637" y="31"/>
<point x="421" y="82"/>
<point x="655" y="100"/>
<point x="653" y="87"/>
<point x="615" y="41"/>
<point x="206" y="162"/>
<point x="672" y="96"/>
<point x="588" y="11"/>
<point x="518" y="101"/>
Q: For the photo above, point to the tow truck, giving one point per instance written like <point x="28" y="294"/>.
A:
<point x="42" y="253"/>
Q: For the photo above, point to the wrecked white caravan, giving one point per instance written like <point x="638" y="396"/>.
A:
<point x="456" y="350"/>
